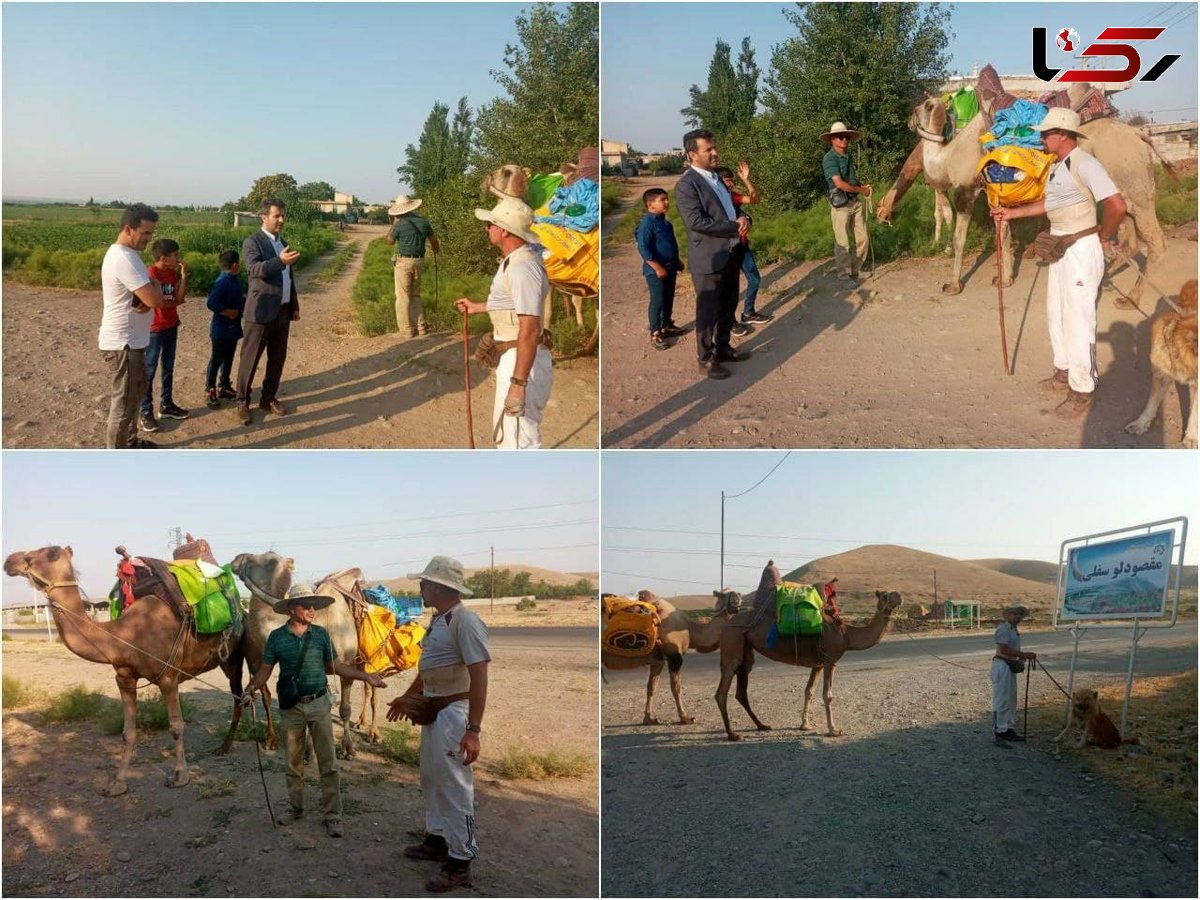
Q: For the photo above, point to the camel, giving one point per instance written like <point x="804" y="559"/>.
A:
<point x="261" y="620"/>
<point x="747" y="633"/>
<point x="678" y="633"/>
<point x="951" y="167"/>
<point x="149" y="641"/>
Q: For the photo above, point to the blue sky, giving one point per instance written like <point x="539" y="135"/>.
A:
<point x="386" y="513"/>
<point x="653" y="52"/>
<point x="662" y="509"/>
<point x="189" y="103"/>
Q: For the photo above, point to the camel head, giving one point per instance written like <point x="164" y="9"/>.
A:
<point x="889" y="602"/>
<point x="47" y="565"/>
<point x="267" y="573"/>
<point x="728" y="602"/>
<point x="928" y="119"/>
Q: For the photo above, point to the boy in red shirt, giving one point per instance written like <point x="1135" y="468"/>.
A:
<point x="171" y="274"/>
<point x="749" y="267"/>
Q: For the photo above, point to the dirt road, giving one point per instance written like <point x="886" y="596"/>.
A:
<point x="346" y="390"/>
<point x="891" y="363"/>
<point x="213" y="837"/>
<point x="914" y="800"/>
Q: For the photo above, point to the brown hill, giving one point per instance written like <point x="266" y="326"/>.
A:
<point x="409" y="585"/>
<point x="1031" y="569"/>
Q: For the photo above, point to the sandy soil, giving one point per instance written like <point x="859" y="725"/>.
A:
<point x="213" y="837"/>
<point x="346" y="390"/>
<point x="891" y="363"/>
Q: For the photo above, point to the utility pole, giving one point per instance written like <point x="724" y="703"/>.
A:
<point x="935" y="589"/>
<point x="174" y="538"/>
<point x="721" y="585"/>
<point x="493" y="590"/>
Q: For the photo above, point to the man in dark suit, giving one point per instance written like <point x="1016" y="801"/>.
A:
<point x="715" y="227"/>
<point x="271" y="307"/>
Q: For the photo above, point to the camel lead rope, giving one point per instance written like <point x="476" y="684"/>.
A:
<point x="1000" y="295"/>
<point x="466" y="378"/>
<point x="1028" y="669"/>
<point x="258" y="753"/>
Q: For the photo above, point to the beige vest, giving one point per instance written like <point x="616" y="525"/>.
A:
<point x="444" y="681"/>
<point x="505" y="322"/>
<point x="1078" y="216"/>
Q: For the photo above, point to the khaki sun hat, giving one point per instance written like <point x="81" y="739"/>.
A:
<point x="1060" y="118"/>
<point x="839" y="128"/>
<point x="404" y="204"/>
<point x="513" y="215"/>
<point x="445" y="571"/>
<point x="301" y="592"/>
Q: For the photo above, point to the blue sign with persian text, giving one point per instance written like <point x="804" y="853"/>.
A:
<point x="1119" y="579"/>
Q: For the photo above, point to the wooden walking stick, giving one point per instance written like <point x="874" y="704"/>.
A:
<point x="1025" y="729"/>
<point x="1000" y="302"/>
<point x="467" y="379"/>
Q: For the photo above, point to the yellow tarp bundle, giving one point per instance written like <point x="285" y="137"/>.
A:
<point x="573" y="264"/>
<point x="631" y="627"/>
<point x="1033" y="169"/>
<point x="386" y="647"/>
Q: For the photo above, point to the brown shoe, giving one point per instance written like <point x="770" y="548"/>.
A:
<point x="243" y="413"/>
<point x="1074" y="406"/>
<point x="274" y="406"/>
<point x="1055" y="384"/>
<point x="333" y="826"/>
<point x="289" y="816"/>
<point x="432" y="848"/>
<point x="455" y="873"/>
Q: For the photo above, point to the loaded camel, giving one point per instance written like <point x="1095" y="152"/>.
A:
<point x="677" y="634"/>
<point x="747" y="633"/>
<point x="149" y="641"/>
<point x="261" y="620"/>
<point x="951" y="167"/>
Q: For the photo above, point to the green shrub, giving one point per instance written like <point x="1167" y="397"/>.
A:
<point x="15" y="692"/>
<point x="1175" y="200"/>
<point x="77" y="704"/>
<point x="610" y="197"/>
<point x="401" y="744"/>
<point x="526" y="603"/>
<point x="519" y="762"/>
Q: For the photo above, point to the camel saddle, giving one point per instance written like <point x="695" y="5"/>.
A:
<point x="631" y="627"/>
<point x="143" y="576"/>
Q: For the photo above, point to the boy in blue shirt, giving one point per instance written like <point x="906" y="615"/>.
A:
<point x="660" y="265"/>
<point x="226" y="301"/>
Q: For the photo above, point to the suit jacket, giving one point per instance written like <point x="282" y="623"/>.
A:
<point x="710" y="232"/>
<point x="264" y="280"/>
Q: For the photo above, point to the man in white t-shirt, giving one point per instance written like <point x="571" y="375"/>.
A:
<point x="516" y="303"/>
<point x="130" y="295"/>
<point x="1077" y="182"/>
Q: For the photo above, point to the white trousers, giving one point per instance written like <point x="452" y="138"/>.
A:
<point x="1071" y="294"/>
<point x="1004" y="697"/>
<point x="524" y="433"/>
<point x="448" y="785"/>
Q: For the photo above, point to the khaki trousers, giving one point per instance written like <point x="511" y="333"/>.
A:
<point x="410" y="316"/>
<point x="127" y="369"/>
<point x="849" y="217"/>
<point x="314" y="717"/>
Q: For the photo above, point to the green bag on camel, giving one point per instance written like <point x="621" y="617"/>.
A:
<point x="798" y="609"/>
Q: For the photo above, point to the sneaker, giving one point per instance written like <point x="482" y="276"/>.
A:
<point x="333" y="826"/>
<point x="172" y="411"/>
<point x="289" y="816"/>
<point x="455" y="873"/>
<point x="432" y="848"/>
<point x="227" y="393"/>
<point x="148" y="423"/>
<point x="673" y="330"/>
<point x="1011" y="735"/>
<point x="1074" y="406"/>
<point x="741" y="330"/>
<point x="1055" y="384"/>
<point x="243" y="413"/>
<point x="210" y="399"/>
<point x="756" y="318"/>
<point x="658" y="342"/>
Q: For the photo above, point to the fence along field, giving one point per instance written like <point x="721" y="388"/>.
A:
<point x="64" y="246"/>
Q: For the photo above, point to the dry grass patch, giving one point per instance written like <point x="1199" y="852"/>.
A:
<point x="15" y="692"/>
<point x="521" y="762"/>
<point x="1161" y="768"/>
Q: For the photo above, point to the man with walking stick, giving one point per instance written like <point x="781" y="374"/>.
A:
<point x="1077" y="182"/>
<point x="1008" y="661"/>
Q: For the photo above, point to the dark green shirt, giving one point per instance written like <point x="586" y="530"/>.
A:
<point x="410" y="233"/>
<point x="842" y="164"/>
<point x="283" y="648"/>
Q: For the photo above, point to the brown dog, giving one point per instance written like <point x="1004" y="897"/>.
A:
<point x="1173" y="356"/>
<point x="509" y="180"/>
<point x="1098" y="729"/>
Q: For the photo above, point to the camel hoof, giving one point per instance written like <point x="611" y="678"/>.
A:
<point x="687" y="720"/>
<point x="952" y="288"/>
<point x="649" y="720"/>
<point x="114" y="789"/>
<point x="805" y="727"/>
<point x="272" y="744"/>
<point x="996" y="281"/>
<point x="223" y="750"/>
<point x="835" y="733"/>
<point x="178" y="779"/>
<point x="734" y="737"/>
<point x="762" y="727"/>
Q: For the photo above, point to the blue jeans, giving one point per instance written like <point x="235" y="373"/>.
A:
<point x="750" y="270"/>
<point x="161" y="347"/>
<point x="662" y="299"/>
<point x="223" y="351"/>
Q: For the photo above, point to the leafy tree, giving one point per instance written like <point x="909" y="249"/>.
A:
<point x="282" y="186"/>
<point x="316" y="190"/>
<point x="731" y="96"/>
<point x="442" y="150"/>
<point x="551" y="80"/>
<point x="866" y="64"/>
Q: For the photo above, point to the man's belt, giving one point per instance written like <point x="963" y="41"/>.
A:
<point x="408" y="256"/>
<point x="308" y="698"/>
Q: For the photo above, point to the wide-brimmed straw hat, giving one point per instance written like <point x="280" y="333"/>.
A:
<point x="839" y="128"/>
<point x="1060" y="118"/>
<point x="404" y="204"/>
<point x="1017" y="608"/>
<point x="301" y="592"/>
<point x="513" y="215"/>
<point x="447" y="572"/>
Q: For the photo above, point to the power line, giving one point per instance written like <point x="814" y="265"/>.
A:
<point x="761" y="480"/>
<point x="429" y="534"/>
